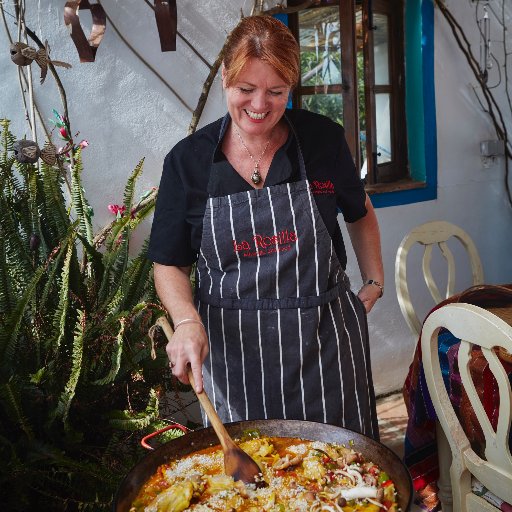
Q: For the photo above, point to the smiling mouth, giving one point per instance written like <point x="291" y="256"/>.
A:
<point x="256" y="115"/>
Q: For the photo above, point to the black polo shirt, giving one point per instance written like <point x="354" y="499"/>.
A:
<point x="196" y="168"/>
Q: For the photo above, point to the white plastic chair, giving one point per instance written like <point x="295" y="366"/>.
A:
<point x="428" y="235"/>
<point x="474" y="326"/>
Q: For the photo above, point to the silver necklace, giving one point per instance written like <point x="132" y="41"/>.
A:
<point x="255" y="176"/>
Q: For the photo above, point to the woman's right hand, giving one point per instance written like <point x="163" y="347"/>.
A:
<point x="188" y="346"/>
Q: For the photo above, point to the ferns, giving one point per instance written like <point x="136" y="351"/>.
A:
<point x="77" y="381"/>
<point x="130" y="420"/>
<point x="80" y="203"/>
<point x="61" y="313"/>
<point x="76" y="368"/>
<point x="11" y="401"/>
<point x="115" y="356"/>
<point x="9" y="336"/>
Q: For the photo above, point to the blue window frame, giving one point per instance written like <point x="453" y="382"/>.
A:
<point x="419" y="106"/>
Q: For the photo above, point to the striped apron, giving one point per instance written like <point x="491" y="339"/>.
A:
<point x="287" y="337"/>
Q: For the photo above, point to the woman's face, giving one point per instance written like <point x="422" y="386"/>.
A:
<point x="258" y="98"/>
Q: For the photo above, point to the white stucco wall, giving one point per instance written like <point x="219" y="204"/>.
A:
<point x="126" y="113"/>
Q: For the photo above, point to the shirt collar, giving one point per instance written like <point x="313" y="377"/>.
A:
<point x="282" y="168"/>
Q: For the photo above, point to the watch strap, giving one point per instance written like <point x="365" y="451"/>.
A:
<point x="376" y="283"/>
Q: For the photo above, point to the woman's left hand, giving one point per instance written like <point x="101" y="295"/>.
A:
<point x="368" y="295"/>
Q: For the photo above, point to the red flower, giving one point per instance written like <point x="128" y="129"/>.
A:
<point x="117" y="210"/>
<point x="64" y="132"/>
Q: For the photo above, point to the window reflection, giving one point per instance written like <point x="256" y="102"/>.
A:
<point x="381" y="49"/>
<point x="329" y="105"/>
<point x="319" y="35"/>
<point x="383" y="121"/>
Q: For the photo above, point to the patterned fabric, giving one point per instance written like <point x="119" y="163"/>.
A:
<point x="420" y="440"/>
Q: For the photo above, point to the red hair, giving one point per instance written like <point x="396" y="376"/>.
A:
<point x="265" y="38"/>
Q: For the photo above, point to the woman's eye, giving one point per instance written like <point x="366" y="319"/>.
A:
<point x="275" y="93"/>
<point x="245" y="91"/>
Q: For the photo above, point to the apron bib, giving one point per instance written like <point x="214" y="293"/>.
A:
<point x="287" y="337"/>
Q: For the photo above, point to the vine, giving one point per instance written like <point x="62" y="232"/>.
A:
<point x="488" y="92"/>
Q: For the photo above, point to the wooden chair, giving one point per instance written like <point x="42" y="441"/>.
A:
<point x="474" y="326"/>
<point x="429" y="235"/>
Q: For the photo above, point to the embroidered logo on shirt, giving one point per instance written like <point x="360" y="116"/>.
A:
<point x="322" y="187"/>
<point x="261" y="245"/>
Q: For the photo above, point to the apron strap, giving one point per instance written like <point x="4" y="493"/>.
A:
<point x="302" y="165"/>
<point x="269" y="304"/>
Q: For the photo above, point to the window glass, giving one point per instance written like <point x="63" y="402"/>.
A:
<point x="381" y="49"/>
<point x="358" y="60"/>
<point x="329" y="105"/>
<point x="319" y="36"/>
<point x="383" y="122"/>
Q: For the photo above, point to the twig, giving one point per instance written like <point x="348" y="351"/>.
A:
<point x="196" y="115"/>
<point x="21" y="74"/>
<point x="139" y="56"/>
<point x="23" y="78"/>
<point x="51" y="67"/>
<point x="505" y="53"/>
<point x="493" y="108"/>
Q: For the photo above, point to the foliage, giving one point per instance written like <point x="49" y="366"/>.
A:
<point x="327" y="67"/>
<point x="78" y="383"/>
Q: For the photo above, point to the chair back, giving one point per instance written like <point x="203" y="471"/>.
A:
<point x="429" y="235"/>
<point x="474" y="326"/>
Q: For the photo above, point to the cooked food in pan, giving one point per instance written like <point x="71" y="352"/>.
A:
<point x="296" y="475"/>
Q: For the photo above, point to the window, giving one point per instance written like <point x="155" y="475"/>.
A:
<point x="353" y="70"/>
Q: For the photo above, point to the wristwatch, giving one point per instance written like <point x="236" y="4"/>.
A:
<point x="376" y="283"/>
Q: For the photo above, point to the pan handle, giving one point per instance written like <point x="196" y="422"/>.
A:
<point x="161" y="431"/>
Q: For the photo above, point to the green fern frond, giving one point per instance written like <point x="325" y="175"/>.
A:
<point x="52" y="206"/>
<point x="16" y="245"/>
<point x="68" y="394"/>
<point x="129" y="189"/>
<point x="10" y="398"/>
<point x="137" y="279"/>
<point x="7" y="139"/>
<point x="117" y="351"/>
<point x="123" y="226"/>
<point x="132" y="421"/>
<point x="113" y="306"/>
<point x="115" y="264"/>
<point x="9" y="335"/>
<point x="93" y="256"/>
<point x="7" y="299"/>
<point x="80" y="203"/>
<point x="61" y="314"/>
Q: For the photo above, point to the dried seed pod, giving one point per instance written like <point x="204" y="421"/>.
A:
<point x="34" y="242"/>
<point x="49" y="153"/>
<point x="26" y="151"/>
<point x="21" y="54"/>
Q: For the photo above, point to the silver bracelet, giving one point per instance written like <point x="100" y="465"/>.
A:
<point x="188" y="321"/>
<point x="376" y="283"/>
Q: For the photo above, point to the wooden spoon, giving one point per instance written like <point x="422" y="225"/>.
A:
<point x="237" y="463"/>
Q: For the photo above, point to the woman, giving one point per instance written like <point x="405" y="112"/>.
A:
<point x="253" y="199"/>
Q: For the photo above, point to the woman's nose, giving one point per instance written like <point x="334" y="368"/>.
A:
<point x="259" y="101"/>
